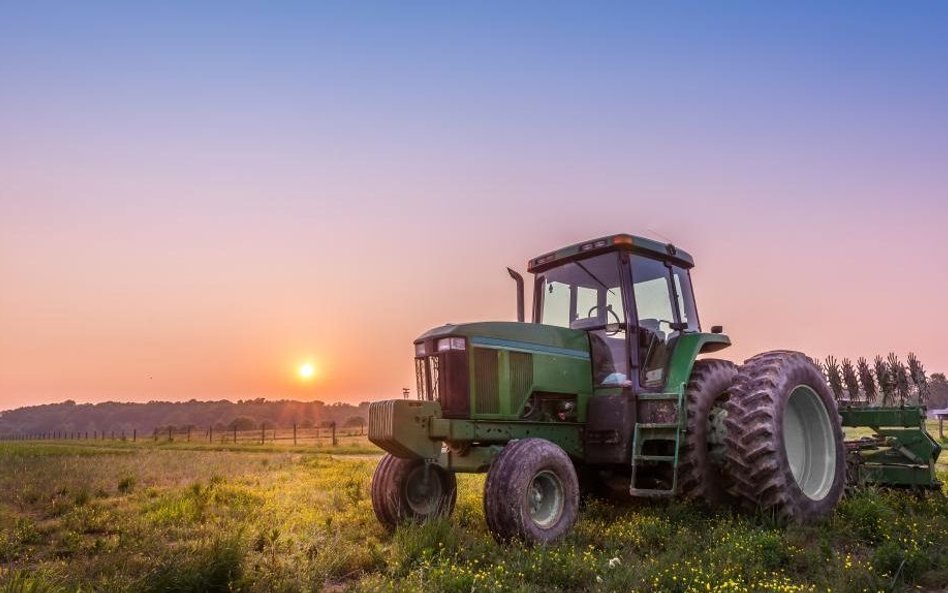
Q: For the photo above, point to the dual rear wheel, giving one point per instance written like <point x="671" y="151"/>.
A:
<point x="763" y="436"/>
<point x="784" y="438"/>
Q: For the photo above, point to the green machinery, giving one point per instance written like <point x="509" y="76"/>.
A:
<point x="611" y="387"/>
<point x="900" y="451"/>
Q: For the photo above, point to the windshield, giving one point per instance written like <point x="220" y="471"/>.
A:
<point x="582" y="294"/>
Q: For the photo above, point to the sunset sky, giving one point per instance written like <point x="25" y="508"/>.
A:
<point x="195" y="200"/>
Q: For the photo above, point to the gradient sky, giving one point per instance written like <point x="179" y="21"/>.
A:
<point x="195" y="198"/>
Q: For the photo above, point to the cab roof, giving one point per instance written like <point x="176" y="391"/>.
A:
<point x="622" y="241"/>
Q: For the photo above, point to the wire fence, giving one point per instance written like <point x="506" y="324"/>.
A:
<point x="329" y="435"/>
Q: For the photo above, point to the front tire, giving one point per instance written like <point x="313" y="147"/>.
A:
<point x="785" y="451"/>
<point x="531" y="493"/>
<point x="406" y="490"/>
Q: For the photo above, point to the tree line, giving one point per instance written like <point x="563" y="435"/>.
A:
<point x="884" y="381"/>
<point x="107" y="417"/>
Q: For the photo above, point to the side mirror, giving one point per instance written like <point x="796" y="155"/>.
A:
<point x="519" y="280"/>
<point x="717" y="329"/>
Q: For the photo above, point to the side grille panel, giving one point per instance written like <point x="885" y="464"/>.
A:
<point x="521" y="379"/>
<point x="486" y="381"/>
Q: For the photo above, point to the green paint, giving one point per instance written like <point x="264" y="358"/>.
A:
<point x="902" y="453"/>
<point x="686" y="349"/>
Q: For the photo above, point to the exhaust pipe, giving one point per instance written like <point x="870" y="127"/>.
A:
<point x="519" y="280"/>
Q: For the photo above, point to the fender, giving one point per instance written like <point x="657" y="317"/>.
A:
<point x="687" y="348"/>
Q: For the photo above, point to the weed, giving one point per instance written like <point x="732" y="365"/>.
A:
<point x="126" y="485"/>
<point x="209" y="567"/>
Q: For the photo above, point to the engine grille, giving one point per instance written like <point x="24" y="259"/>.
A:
<point x="487" y="388"/>
<point x="443" y="377"/>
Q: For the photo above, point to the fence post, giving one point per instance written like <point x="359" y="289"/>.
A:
<point x="134" y="435"/>
<point x="333" y="425"/>
<point x="210" y="433"/>
<point x="263" y="432"/>
<point x="235" y="434"/>
<point x="189" y="433"/>
<point x="294" y="434"/>
<point x="169" y="434"/>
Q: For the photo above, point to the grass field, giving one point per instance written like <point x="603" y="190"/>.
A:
<point x="112" y="516"/>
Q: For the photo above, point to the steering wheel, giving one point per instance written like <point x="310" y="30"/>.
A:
<point x="608" y="311"/>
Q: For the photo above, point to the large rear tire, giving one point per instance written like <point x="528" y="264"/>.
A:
<point x="531" y="493"/>
<point x="785" y="451"/>
<point x="406" y="490"/>
<point x="703" y="450"/>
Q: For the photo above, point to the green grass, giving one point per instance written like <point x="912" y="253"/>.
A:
<point x="177" y="518"/>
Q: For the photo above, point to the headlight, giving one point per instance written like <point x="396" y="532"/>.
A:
<point x="420" y="349"/>
<point x="445" y="344"/>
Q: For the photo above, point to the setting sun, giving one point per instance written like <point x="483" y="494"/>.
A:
<point x="306" y="370"/>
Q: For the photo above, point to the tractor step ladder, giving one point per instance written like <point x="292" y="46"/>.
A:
<point x="669" y="432"/>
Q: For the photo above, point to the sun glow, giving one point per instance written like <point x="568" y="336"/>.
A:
<point x="306" y="371"/>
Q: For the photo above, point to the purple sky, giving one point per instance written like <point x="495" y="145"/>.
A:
<point x="195" y="201"/>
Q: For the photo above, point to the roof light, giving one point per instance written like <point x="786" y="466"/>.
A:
<point x="593" y="245"/>
<point x="544" y="259"/>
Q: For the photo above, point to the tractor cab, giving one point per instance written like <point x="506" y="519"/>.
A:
<point x="632" y="296"/>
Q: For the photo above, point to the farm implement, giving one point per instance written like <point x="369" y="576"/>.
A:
<point x="605" y="387"/>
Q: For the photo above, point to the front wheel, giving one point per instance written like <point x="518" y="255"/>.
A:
<point x="531" y="493"/>
<point x="405" y="490"/>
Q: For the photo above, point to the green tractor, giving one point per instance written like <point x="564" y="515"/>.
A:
<point x="604" y="389"/>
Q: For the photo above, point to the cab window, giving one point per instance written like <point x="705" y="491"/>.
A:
<point x="586" y="294"/>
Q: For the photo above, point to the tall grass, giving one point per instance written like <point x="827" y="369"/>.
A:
<point x="178" y="520"/>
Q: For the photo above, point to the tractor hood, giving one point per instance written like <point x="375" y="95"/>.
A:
<point x="515" y="336"/>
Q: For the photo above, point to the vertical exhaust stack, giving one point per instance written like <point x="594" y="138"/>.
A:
<point x="519" y="280"/>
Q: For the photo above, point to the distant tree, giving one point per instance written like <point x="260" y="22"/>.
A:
<point x="917" y="375"/>
<point x="834" y="376"/>
<point x="306" y="423"/>
<point x="852" y="382"/>
<point x="242" y="423"/>
<point x="354" y="422"/>
<point x="884" y="378"/>
<point x="938" y="391"/>
<point x="866" y="379"/>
